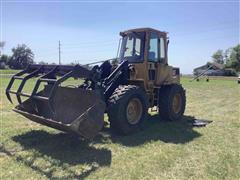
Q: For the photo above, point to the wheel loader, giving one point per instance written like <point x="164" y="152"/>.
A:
<point x="142" y="79"/>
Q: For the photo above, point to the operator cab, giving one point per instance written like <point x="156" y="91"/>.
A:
<point x="146" y="50"/>
<point x="135" y="41"/>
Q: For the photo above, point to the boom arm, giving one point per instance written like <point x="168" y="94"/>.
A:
<point x="117" y="77"/>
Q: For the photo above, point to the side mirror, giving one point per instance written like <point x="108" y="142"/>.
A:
<point x="167" y="41"/>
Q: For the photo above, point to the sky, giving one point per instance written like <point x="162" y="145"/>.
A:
<point x="89" y="31"/>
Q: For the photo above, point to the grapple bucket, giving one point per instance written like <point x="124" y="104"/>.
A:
<point x="68" y="109"/>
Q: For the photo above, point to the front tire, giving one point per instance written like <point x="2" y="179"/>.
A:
<point x="127" y="109"/>
<point x="172" y="102"/>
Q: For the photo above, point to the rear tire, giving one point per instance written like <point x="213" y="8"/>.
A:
<point x="127" y="109"/>
<point x="172" y="102"/>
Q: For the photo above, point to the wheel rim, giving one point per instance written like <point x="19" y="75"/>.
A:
<point x="134" y="111"/>
<point x="177" y="102"/>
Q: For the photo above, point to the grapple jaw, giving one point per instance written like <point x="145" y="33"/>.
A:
<point x="68" y="109"/>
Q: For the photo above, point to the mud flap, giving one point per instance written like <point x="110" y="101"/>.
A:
<point x="75" y="110"/>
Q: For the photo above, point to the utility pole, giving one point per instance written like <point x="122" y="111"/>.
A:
<point x="59" y="52"/>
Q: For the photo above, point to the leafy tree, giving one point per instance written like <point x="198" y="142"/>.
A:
<point x="218" y="57"/>
<point x="43" y="63"/>
<point x="22" y="57"/>
<point x="2" y="44"/>
<point x="227" y="54"/>
<point x="73" y="63"/>
<point x="234" y="58"/>
<point x="3" y="65"/>
<point x="4" y="60"/>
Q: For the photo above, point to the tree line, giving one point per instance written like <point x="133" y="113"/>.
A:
<point x="21" y="57"/>
<point x="230" y="57"/>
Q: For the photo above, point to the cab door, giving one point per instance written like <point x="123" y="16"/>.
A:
<point x="152" y="57"/>
<point x="157" y="59"/>
<point x="163" y="70"/>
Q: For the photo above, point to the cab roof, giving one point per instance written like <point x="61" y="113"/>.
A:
<point x="147" y="29"/>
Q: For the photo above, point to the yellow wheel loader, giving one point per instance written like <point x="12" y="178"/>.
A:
<point x="142" y="79"/>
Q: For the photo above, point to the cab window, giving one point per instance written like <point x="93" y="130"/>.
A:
<point x="153" y="48"/>
<point x="162" y="49"/>
<point x="132" y="47"/>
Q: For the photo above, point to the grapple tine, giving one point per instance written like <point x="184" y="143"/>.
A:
<point x="50" y="73"/>
<point x="9" y="97"/>
<point x="32" y="74"/>
<point x="8" y="89"/>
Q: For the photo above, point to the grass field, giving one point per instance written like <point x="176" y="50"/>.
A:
<point x="8" y="71"/>
<point x="163" y="150"/>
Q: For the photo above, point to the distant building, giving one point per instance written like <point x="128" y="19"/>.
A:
<point x="213" y="69"/>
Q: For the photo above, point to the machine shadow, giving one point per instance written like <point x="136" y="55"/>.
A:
<point x="71" y="150"/>
<point x="155" y="129"/>
<point x="64" y="150"/>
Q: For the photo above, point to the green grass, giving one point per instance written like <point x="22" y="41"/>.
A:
<point x="8" y="71"/>
<point x="163" y="150"/>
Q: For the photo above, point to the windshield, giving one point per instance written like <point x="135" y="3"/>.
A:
<point x="132" y="47"/>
